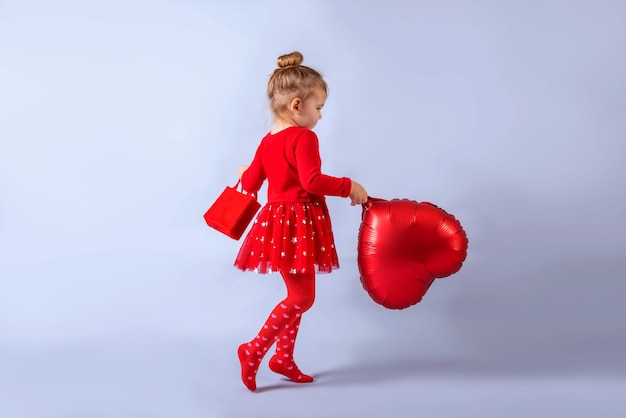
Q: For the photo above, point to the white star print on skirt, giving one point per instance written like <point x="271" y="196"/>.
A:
<point x="291" y="237"/>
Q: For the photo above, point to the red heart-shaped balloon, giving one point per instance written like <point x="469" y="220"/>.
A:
<point x="403" y="246"/>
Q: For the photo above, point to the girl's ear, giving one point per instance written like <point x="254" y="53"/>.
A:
<point x="295" y="105"/>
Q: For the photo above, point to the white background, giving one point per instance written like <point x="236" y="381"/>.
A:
<point x="121" y="122"/>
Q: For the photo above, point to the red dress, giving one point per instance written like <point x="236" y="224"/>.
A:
<point x="293" y="231"/>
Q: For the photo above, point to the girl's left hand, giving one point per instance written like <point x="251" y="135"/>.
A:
<point x="242" y="169"/>
<point x="358" y="194"/>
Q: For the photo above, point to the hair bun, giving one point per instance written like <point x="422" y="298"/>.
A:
<point x="289" y="60"/>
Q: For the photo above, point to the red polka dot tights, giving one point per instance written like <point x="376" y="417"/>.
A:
<point x="281" y="328"/>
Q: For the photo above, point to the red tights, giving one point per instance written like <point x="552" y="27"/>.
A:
<point x="281" y="327"/>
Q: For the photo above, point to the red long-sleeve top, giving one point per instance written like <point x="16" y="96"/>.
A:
<point x="290" y="161"/>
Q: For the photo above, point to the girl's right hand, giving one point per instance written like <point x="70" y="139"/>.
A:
<point x="242" y="169"/>
<point x="358" y="194"/>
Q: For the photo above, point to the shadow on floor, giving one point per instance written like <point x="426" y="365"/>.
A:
<point x="376" y="371"/>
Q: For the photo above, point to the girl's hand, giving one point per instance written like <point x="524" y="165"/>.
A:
<point x="242" y="169"/>
<point x="358" y="194"/>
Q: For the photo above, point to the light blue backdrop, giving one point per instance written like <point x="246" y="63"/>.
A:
<point x="121" y="122"/>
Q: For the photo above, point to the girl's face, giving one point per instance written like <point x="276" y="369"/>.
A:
<point x="309" y="111"/>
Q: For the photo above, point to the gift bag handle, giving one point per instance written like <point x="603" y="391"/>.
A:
<point x="253" y="194"/>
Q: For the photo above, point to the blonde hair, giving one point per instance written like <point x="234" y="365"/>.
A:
<point x="291" y="80"/>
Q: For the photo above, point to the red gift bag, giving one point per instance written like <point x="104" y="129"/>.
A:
<point x="232" y="212"/>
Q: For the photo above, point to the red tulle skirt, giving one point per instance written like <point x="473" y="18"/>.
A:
<point x="290" y="237"/>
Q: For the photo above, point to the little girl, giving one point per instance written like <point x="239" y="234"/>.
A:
<point x="292" y="234"/>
